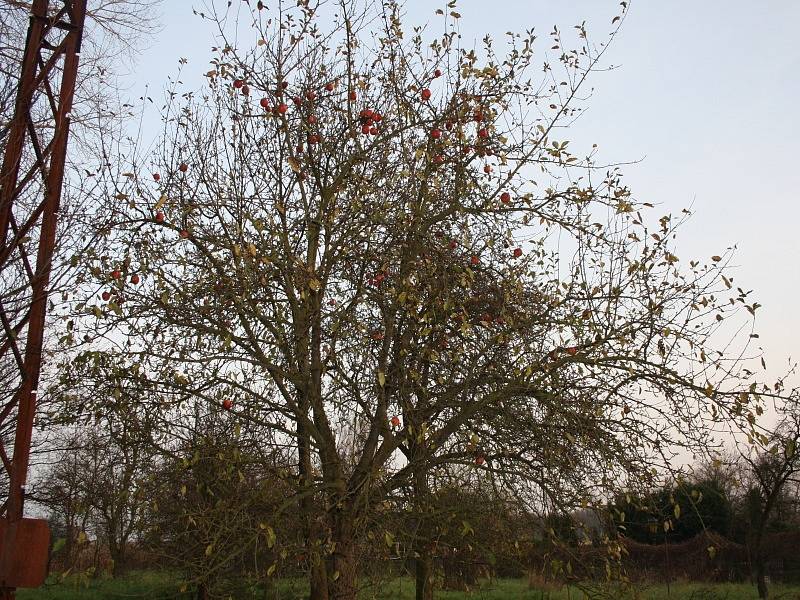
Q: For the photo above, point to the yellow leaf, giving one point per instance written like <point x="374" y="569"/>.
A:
<point x="315" y="285"/>
<point x="381" y="378"/>
<point x="270" y="537"/>
<point x="295" y="164"/>
<point x="271" y="569"/>
<point x="209" y="549"/>
<point x="161" y="202"/>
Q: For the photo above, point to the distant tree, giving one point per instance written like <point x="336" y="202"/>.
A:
<point x="773" y="463"/>
<point x="94" y="484"/>
<point x="674" y="513"/>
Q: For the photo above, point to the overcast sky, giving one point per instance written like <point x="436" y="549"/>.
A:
<point x="705" y="95"/>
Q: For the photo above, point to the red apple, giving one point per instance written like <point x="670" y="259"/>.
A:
<point x="135" y="279"/>
<point x="483" y="133"/>
<point x="474" y="260"/>
<point x="106" y="296"/>
<point x="395" y="421"/>
<point x="572" y="350"/>
<point x="373" y="131"/>
<point x="517" y="252"/>
<point x="116" y="274"/>
<point x="313" y="139"/>
<point x="478" y="116"/>
<point x="436" y="134"/>
<point x="282" y="108"/>
<point x="284" y="84"/>
<point x="238" y="83"/>
<point x="426" y="94"/>
<point x="329" y="86"/>
<point x="453" y="244"/>
<point x="480" y="459"/>
<point x="183" y="233"/>
<point x="183" y="167"/>
<point x="377" y="117"/>
<point x="437" y="73"/>
<point x="264" y="102"/>
<point x="353" y="96"/>
<point x="438" y="159"/>
<point x="487" y="169"/>
<point x="156" y="176"/>
<point x="365" y="129"/>
<point x="312" y="119"/>
<point x="245" y="90"/>
<point x="311" y="95"/>
<point x="505" y="197"/>
<point x="159" y="217"/>
<point x="227" y="404"/>
<point x="297" y="101"/>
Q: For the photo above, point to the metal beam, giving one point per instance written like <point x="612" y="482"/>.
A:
<point x="27" y="205"/>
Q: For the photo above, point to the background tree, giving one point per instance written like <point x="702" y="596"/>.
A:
<point x="774" y="467"/>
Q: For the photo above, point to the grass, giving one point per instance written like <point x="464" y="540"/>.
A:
<point x="154" y="585"/>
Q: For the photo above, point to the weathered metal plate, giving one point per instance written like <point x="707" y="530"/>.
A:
<point x="28" y="565"/>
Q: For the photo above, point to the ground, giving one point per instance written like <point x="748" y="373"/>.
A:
<point x="152" y="585"/>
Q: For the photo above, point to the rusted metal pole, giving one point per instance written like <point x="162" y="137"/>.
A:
<point x="37" y="79"/>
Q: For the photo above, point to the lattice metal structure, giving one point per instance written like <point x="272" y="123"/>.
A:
<point x="31" y="177"/>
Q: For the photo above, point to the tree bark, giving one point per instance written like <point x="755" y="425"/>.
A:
<point x="761" y="577"/>
<point x="343" y="565"/>
<point x="424" y="574"/>
<point x="117" y="552"/>
<point x="318" y="580"/>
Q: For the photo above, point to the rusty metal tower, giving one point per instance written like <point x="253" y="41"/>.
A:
<point x="31" y="179"/>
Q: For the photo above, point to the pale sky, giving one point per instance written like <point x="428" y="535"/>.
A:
<point x="705" y="93"/>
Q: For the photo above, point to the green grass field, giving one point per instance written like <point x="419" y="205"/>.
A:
<point x="159" y="585"/>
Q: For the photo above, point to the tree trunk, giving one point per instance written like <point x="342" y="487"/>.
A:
<point x="761" y="574"/>
<point x="422" y="539"/>
<point x="318" y="580"/>
<point x="202" y="592"/>
<point x="117" y="552"/>
<point x="424" y="574"/>
<point x="342" y="566"/>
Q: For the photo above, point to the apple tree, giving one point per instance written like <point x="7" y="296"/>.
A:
<point x="379" y="249"/>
